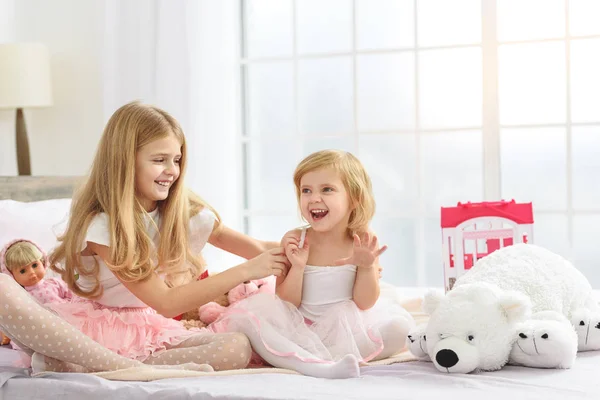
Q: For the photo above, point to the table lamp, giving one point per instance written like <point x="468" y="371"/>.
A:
<point x="24" y="82"/>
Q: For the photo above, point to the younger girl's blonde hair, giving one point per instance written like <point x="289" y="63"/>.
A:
<point x="355" y="179"/>
<point x="111" y="189"/>
<point x="20" y="254"/>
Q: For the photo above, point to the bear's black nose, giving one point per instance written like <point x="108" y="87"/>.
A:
<point x="446" y="358"/>
<point x="522" y="336"/>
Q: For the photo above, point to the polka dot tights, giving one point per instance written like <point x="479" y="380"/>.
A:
<point x="61" y="347"/>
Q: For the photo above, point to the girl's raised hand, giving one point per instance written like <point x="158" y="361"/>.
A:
<point x="298" y="256"/>
<point x="364" y="253"/>
<point x="271" y="262"/>
<point x="292" y="236"/>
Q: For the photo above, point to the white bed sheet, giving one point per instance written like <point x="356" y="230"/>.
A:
<point x="412" y="380"/>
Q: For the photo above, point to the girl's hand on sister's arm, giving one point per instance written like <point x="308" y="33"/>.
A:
<point x="271" y="262"/>
<point x="364" y="253"/>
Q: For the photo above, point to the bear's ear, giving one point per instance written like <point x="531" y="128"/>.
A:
<point x="431" y="301"/>
<point x="516" y="305"/>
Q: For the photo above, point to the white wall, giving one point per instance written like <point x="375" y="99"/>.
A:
<point x="105" y="53"/>
<point x="63" y="137"/>
<point x="182" y="56"/>
<point x="8" y="160"/>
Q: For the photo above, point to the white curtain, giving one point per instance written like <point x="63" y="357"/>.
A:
<point x="183" y="56"/>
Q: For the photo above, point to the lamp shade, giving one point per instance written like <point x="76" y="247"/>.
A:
<point x="24" y="75"/>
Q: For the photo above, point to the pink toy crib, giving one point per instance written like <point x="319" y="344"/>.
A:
<point x="471" y="231"/>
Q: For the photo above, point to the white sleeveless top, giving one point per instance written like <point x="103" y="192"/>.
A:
<point x="115" y="294"/>
<point x="325" y="286"/>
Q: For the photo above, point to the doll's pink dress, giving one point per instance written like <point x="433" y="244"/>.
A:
<point x="50" y="290"/>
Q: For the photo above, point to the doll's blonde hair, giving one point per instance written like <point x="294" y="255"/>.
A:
<point x="355" y="179"/>
<point x="20" y="254"/>
<point x="111" y="189"/>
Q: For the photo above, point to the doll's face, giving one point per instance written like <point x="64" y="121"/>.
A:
<point x="30" y="274"/>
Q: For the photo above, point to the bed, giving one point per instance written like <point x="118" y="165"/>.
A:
<point x="43" y="201"/>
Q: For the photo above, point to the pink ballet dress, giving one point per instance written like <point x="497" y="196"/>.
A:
<point x="328" y="324"/>
<point x="118" y="320"/>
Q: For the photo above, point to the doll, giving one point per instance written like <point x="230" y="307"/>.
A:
<point x="26" y="263"/>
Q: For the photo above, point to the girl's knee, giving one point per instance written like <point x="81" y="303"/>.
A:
<point x="239" y="344"/>
<point x="8" y="289"/>
<point x="240" y="338"/>
<point x="5" y="281"/>
<point x="402" y="325"/>
<point x="239" y="341"/>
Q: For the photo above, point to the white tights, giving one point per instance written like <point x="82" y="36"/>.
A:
<point x="61" y="347"/>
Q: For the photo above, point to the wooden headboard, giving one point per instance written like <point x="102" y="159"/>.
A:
<point x="36" y="188"/>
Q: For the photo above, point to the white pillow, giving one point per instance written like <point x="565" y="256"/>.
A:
<point x="38" y="221"/>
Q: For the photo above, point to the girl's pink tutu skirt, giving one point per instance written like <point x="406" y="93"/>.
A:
<point x="343" y="329"/>
<point x="131" y="332"/>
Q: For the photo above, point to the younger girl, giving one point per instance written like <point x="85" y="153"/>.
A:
<point x="330" y="317"/>
<point x="134" y="239"/>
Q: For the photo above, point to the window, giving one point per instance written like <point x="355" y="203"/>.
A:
<point x="442" y="101"/>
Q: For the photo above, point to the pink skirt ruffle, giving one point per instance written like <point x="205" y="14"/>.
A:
<point x="131" y="332"/>
<point x="343" y="329"/>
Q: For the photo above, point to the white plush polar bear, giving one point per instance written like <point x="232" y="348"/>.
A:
<point x="475" y="326"/>
<point x="416" y="342"/>
<point x="547" y="340"/>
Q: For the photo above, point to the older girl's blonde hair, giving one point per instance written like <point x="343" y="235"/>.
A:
<point x="110" y="189"/>
<point x="20" y="254"/>
<point x="355" y="179"/>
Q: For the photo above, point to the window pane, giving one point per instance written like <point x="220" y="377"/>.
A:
<point x="272" y="228"/>
<point x="532" y="83"/>
<point x="585" y="80"/>
<point x="345" y="143"/>
<point x="386" y="91"/>
<point x="530" y="19"/>
<point x="585" y="143"/>
<point x="533" y="167"/>
<point x="390" y="161"/>
<point x="584" y="15"/>
<point x="443" y="22"/>
<point x="434" y="269"/>
<point x="323" y="26"/>
<point x="384" y="24"/>
<point x="399" y="261"/>
<point x="271" y="166"/>
<point x="270" y="99"/>
<point x="552" y="232"/>
<point x="275" y="41"/>
<point x="586" y="252"/>
<point x="325" y="96"/>
<point x="450" y="88"/>
<point x="452" y="169"/>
